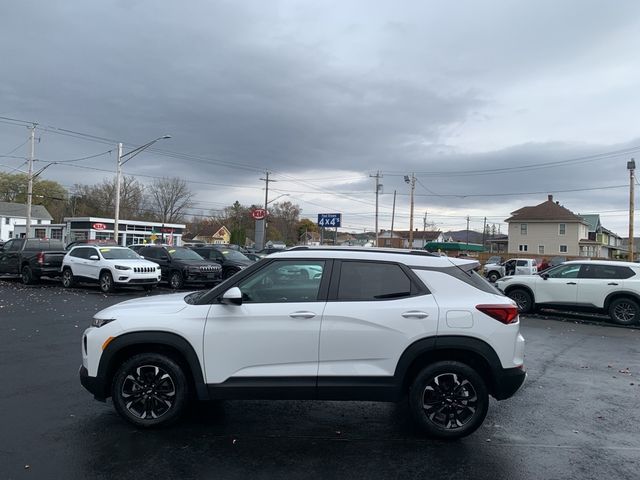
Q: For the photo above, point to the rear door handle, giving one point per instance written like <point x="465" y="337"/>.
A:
<point x="612" y="283"/>
<point x="571" y="283"/>
<point x="415" y="314"/>
<point x="302" y="315"/>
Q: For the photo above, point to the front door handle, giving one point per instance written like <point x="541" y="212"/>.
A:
<point x="612" y="283"/>
<point x="302" y="315"/>
<point x="571" y="283"/>
<point x="415" y="314"/>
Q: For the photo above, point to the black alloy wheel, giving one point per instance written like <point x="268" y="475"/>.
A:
<point x="150" y="390"/>
<point x="27" y="276"/>
<point x="106" y="282"/>
<point x="449" y="399"/>
<point x="176" y="280"/>
<point x="624" y="311"/>
<point x="68" y="280"/>
<point x="522" y="298"/>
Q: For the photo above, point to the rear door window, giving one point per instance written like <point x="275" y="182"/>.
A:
<point x="369" y="281"/>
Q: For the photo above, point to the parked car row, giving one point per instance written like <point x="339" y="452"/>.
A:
<point x="112" y="266"/>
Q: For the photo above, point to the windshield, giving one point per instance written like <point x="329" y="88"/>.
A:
<point x="118" y="254"/>
<point x="234" y="255"/>
<point x="178" y="253"/>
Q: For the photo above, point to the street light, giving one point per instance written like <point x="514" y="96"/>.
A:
<point x="119" y="164"/>
<point x="279" y="196"/>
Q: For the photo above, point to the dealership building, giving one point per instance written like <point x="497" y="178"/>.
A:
<point x="97" y="228"/>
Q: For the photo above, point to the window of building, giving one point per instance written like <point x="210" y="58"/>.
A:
<point x="104" y="236"/>
<point x="7" y="220"/>
<point x="541" y="249"/>
<point x="562" y="228"/>
<point x="56" y="234"/>
<point x="523" y="248"/>
<point x="39" y="222"/>
<point x="523" y="228"/>
<point x="563" y="249"/>
<point x="40" y="233"/>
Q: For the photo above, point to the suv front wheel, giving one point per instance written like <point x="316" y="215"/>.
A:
<point x="449" y="399"/>
<point x="150" y="390"/>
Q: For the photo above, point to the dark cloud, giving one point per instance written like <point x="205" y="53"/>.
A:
<point x="335" y="91"/>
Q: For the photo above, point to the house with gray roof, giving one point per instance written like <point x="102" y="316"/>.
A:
<point x="12" y="214"/>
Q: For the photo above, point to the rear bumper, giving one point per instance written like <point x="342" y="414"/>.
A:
<point x="47" y="271"/>
<point x="508" y="381"/>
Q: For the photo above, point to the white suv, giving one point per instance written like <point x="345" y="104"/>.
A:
<point x="589" y="285"/>
<point x="109" y="266"/>
<point x="513" y="266"/>
<point x="373" y="324"/>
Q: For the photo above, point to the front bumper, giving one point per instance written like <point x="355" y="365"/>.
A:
<point x="92" y="384"/>
<point x="508" y="381"/>
<point x="199" y="277"/>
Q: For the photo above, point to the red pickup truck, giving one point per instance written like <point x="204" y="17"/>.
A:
<point x="32" y="258"/>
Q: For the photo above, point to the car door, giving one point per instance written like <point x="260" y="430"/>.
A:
<point x="9" y="256"/>
<point x="94" y="262"/>
<point x="558" y="285"/>
<point x="80" y="262"/>
<point x="274" y="333"/>
<point x="374" y="312"/>
<point x="597" y="281"/>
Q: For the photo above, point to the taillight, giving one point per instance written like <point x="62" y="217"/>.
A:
<point x="40" y="258"/>
<point x="503" y="313"/>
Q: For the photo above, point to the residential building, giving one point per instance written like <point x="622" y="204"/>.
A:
<point x="15" y="214"/>
<point x="548" y="229"/>
<point x="400" y="238"/>
<point x="603" y="243"/>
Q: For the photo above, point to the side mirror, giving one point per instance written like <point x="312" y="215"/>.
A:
<point x="233" y="296"/>
<point x="94" y="257"/>
<point x="545" y="276"/>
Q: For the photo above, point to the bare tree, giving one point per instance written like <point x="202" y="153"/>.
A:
<point x="169" y="199"/>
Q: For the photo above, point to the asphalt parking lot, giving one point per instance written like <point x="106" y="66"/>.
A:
<point x="576" y="417"/>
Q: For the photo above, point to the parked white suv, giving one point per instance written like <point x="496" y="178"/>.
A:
<point x="513" y="266"/>
<point x="581" y="285"/>
<point x="373" y="324"/>
<point x="109" y="266"/>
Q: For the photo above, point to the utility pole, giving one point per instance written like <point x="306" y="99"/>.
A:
<point x="412" y="182"/>
<point x="467" y="232"/>
<point x="393" y="215"/>
<point x="377" y="176"/>
<point x="631" y="166"/>
<point x="266" y="181"/>
<point x="32" y="138"/>
<point x="116" y="218"/>
<point x="484" y="233"/>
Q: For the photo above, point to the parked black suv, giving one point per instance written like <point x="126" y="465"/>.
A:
<point x="181" y="265"/>
<point x="232" y="261"/>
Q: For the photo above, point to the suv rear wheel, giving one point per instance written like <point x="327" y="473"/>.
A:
<point x="624" y="311"/>
<point x="150" y="390"/>
<point x="449" y="399"/>
<point x="68" y="280"/>
<point x="27" y="275"/>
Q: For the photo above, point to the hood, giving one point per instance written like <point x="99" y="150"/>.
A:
<point x="239" y="263"/>
<point x="198" y="263"/>
<point x="162" y="304"/>
<point x="136" y="262"/>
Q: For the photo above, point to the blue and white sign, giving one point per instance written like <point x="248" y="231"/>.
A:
<point x="329" y="219"/>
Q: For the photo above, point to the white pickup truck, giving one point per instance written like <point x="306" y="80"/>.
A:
<point x="513" y="266"/>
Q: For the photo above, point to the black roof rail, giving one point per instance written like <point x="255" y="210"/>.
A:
<point x="422" y="253"/>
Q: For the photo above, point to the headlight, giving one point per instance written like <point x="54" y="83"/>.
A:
<point x="100" y="322"/>
<point x="122" y="267"/>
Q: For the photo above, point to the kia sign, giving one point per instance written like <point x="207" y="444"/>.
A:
<point x="99" y="226"/>
<point x="258" y="213"/>
<point x="329" y="219"/>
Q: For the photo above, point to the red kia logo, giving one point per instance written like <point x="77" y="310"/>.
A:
<point x="99" y="226"/>
<point x="258" y="213"/>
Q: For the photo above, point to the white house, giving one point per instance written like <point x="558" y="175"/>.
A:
<point x="15" y="214"/>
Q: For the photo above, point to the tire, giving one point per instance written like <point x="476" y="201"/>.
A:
<point x="449" y="400"/>
<point x="493" y="276"/>
<point x="523" y="299"/>
<point x="624" y="311"/>
<point x="150" y="390"/>
<point x="176" y="280"/>
<point x="27" y="275"/>
<point x="230" y="272"/>
<point x="68" y="280"/>
<point x="106" y="282"/>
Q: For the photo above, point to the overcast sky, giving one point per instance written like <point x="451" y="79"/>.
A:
<point x="480" y="99"/>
